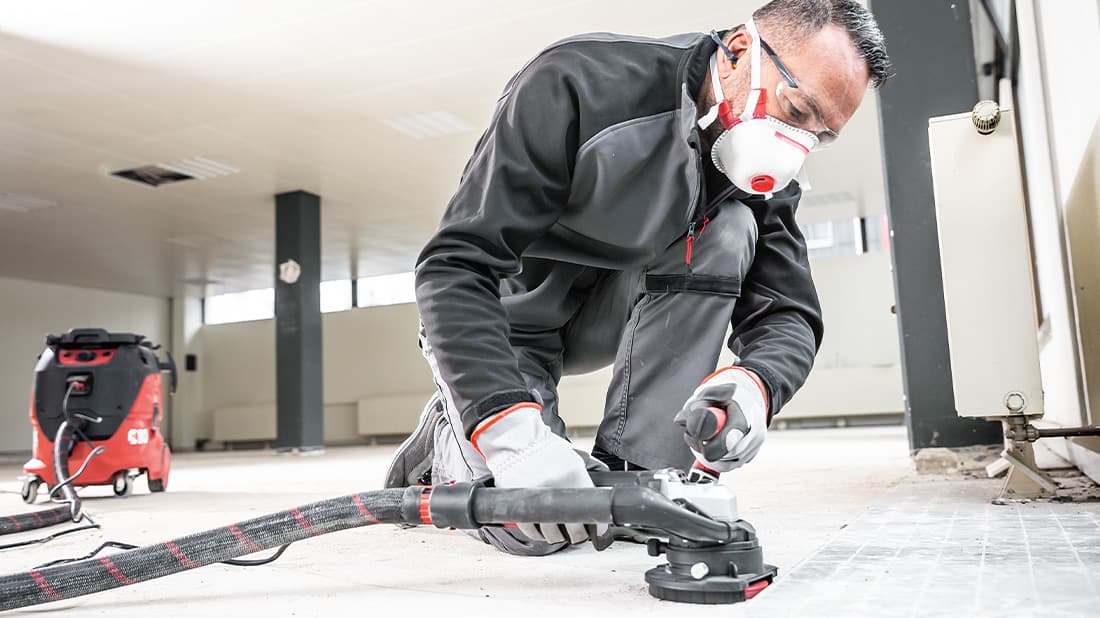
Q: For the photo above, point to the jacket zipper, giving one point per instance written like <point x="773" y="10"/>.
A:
<point x="692" y="236"/>
<point x="710" y="210"/>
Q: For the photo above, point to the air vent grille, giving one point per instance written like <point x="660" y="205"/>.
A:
<point x="193" y="168"/>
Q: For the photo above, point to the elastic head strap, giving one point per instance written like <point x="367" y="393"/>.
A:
<point x="757" y="101"/>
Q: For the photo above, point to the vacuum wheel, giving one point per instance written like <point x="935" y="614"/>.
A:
<point x="123" y="483"/>
<point x="30" y="489"/>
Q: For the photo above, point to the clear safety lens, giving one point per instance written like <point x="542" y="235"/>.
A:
<point x="801" y="111"/>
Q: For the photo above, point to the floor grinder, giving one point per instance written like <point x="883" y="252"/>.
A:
<point x="713" y="556"/>
<point x="97" y="405"/>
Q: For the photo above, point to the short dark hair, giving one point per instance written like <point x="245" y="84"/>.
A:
<point x="809" y="16"/>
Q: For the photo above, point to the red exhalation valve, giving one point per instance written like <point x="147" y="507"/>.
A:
<point x="762" y="183"/>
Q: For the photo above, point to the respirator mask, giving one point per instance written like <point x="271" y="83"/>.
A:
<point x="759" y="153"/>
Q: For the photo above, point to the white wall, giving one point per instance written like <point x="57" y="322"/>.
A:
<point x="372" y="352"/>
<point x="858" y="367"/>
<point x="1059" y="42"/>
<point x="29" y="310"/>
<point x="367" y="352"/>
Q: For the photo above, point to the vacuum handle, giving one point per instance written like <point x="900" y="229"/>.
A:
<point x="86" y="336"/>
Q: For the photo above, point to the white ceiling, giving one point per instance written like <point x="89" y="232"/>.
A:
<point x="294" y="94"/>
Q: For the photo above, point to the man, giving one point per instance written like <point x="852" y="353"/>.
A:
<point x="631" y="199"/>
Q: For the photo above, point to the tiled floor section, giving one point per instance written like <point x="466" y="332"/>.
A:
<point x="941" y="549"/>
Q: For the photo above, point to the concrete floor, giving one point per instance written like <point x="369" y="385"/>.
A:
<point x="802" y="494"/>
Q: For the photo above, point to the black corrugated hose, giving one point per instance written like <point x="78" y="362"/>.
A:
<point x="70" y="508"/>
<point x="152" y="561"/>
<point x="34" y="520"/>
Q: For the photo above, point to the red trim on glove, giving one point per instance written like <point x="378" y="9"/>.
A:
<point x="489" y="422"/>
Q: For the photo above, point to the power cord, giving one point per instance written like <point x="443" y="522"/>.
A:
<point x="125" y="546"/>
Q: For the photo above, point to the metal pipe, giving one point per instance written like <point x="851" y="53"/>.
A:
<point x="1068" y="432"/>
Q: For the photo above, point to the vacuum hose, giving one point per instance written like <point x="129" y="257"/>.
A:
<point x="70" y="510"/>
<point x="190" y="552"/>
<point x="462" y="505"/>
<point x="34" y="520"/>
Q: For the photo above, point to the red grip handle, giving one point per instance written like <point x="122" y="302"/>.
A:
<point x="720" y="420"/>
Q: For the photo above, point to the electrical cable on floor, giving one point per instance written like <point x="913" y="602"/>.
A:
<point x="47" y="539"/>
<point x="124" y="546"/>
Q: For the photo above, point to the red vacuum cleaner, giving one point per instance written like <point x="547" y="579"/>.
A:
<point x="97" y="409"/>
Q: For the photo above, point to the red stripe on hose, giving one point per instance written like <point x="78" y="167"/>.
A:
<point x="363" y="510"/>
<point x="38" y="517"/>
<point x="425" y="508"/>
<point x="243" y="539"/>
<point x="44" y="586"/>
<point x="15" y="521"/>
<point x="113" y="570"/>
<point x="179" y="555"/>
<point x="303" y="523"/>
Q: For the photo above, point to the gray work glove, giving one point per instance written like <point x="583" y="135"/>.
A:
<point x="725" y="420"/>
<point x="521" y="451"/>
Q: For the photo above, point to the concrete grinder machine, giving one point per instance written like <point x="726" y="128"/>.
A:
<point x="713" y="556"/>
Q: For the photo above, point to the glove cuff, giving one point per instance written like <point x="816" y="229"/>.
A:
<point x="747" y="380"/>
<point x="513" y="420"/>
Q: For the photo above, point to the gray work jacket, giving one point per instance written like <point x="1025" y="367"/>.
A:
<point x="593" y="157"/>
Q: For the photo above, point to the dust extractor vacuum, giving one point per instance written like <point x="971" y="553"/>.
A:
<point x="96" y="413"/>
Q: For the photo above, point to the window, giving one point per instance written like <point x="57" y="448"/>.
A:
<point x="386" y="290"/>
<point x="335" y="295"/>
<point x="848" y="236"/>
<point x="239" y="306"/>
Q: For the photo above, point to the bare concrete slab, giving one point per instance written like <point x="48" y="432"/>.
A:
<point x="805" y="490"/>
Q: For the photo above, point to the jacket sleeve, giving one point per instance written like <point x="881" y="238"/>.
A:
<point x="512" y="191"/>
<point x="777" y="327"/>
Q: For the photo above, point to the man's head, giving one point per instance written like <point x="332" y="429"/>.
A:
<point x="832" y="48"/>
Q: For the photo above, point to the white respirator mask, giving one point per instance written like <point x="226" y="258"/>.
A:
<point x="759" y="153"/>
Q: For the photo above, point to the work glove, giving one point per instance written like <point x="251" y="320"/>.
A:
<point x="724" y="421"/>
<point x="521" y="451"/>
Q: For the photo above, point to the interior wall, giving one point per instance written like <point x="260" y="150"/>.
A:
<point x="29" y="310"/>
<point x="858" y="369"/>
<point x="373" y="352"/>
<point x="367" y="352"/>
<point x="1058" y="40"/>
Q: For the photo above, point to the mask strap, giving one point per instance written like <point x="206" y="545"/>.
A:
<point x="721" y="109"/>
<point x="756" y="104"/>
<point x="719" y="96"/>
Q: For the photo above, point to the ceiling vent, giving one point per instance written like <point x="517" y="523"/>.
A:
<point x="429" y="125"/>
<point x="13" y="202"/>
<point x="158" y="174"/>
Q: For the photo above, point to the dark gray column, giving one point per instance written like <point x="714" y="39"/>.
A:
<point x="932" y="48"/>
<point x="299" y="394"/>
